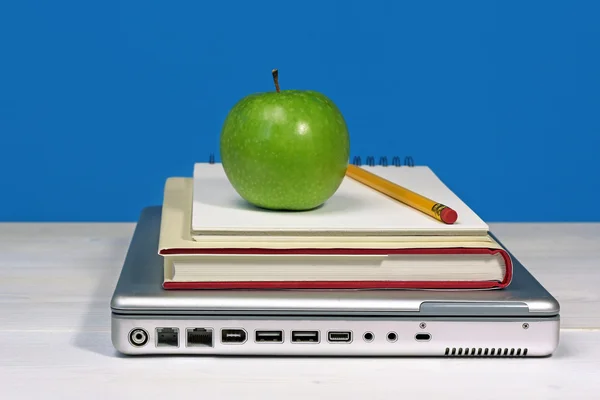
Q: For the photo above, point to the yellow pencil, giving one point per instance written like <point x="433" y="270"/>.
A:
<point x="432" y="208"/>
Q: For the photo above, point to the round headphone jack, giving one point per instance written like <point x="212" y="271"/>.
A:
<point x="138" y="337"/>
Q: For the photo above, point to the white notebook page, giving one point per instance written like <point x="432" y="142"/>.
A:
<point x="354" y="208"/>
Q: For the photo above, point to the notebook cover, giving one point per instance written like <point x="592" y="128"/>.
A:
<point x="217" y="209"/>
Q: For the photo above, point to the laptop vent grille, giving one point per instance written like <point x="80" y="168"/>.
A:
<point x="484" y="352"/>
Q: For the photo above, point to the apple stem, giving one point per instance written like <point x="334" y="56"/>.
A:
<point x="275" y="73"/>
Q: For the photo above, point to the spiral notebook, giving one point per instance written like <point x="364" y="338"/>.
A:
<point x="227" y="250"/>
<point x="220" y="214"/>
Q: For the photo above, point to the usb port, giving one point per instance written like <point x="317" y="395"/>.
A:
<point x="339" y="336"/>
<point x="268" y="337"/>
<point x="305" y="336"/>
<point x="233" y="336"/>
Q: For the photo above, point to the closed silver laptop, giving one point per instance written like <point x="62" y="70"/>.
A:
<point x="520" y="321"/>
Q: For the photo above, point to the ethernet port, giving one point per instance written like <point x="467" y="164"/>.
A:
<point x="199" y="337"/>
<point x="167" y="337"/>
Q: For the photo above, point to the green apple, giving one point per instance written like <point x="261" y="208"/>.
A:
<point x="285" y="149"/>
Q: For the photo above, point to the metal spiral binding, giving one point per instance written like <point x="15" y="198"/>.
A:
<point x="383" y="161"/>
<point x="370" y="160"/>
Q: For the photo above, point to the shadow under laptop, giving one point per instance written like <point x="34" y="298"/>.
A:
<point x="94" y="333"/>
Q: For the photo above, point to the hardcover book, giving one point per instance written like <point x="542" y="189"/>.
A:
<point x="360" y="239"/>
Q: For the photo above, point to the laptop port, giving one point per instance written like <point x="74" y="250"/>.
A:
<point x="305" y="336"/>
<point x="339" y="336"/>
<point x="167" y="337"/>
<point x="199" y="337"/>
<point x="233" y="336"/>
<point x="138" y="337"/>
<point x="422" y="337"/>
<point x="268" y="336"/>
<point x="392" y="337"/>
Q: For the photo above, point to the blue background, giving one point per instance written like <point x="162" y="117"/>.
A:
<point x="101" y="101"/>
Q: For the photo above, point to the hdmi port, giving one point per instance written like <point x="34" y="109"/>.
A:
<point x="305" y="336"/>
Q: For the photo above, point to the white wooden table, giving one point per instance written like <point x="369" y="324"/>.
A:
<point x="56" y="281"/>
